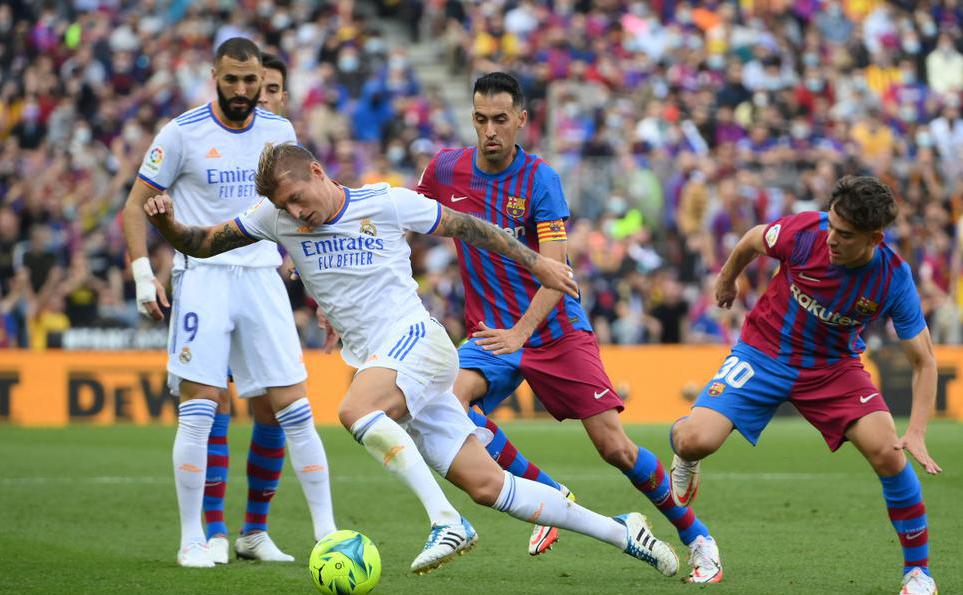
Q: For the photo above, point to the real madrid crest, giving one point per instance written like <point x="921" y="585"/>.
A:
<point x="185" y="356"/>
<point x="368" y="228"/>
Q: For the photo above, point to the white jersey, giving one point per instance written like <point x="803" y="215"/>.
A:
<point x="356" y="266"/>
<point x="208" y="170"/>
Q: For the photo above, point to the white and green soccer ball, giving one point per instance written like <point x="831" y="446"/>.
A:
<point x="345" y="563"/>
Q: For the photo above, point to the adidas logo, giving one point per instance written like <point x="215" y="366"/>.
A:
<point x="213" y="153"/>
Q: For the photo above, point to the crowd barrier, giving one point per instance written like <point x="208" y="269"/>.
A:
<point x="56" y="388"/>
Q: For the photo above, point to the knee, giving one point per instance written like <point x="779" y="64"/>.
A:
<point x="886" y="460"/>
<point x="690" y="444"/>
<point x="347" y="415"/>
<point x="618" y="453"/>
<point x="485" y="488"/>
<point x="485" y="493"/>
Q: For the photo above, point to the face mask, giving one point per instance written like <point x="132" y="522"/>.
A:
<point x="397" y="63"/>
<point x="348" y="63"/>
<point x="814" y="85"/>
<point x="800" y="131"/>
<point x="82" y="136"/>
<point x="717" y="61"/>
<point x="811" y="59"/>
<point x="908" y="77"/>
<point x="131" y="134"/>
<point x="396" y="154"/>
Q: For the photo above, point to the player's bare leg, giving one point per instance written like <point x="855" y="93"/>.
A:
<point x="215" y="485"/>
<point x="474" y="471"/>
<point x="293" y="412"/>
<point x="875" y="437"/>
<point x="644" y="470"/>
<point x="198" y="404"/>
<point x="693" y="438"/>
<point x="370" y="412"/>
<point x="471" y="385"/>
<point x="264" y="464"/>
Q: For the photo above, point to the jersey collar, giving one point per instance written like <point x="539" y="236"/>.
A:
<point x="341" y="209"/>
<point x="253" y="116"/>
<point x="512" y="168"/>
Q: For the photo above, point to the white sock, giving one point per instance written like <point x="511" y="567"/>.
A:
<point x="194" y="420"/>
<point x="391" y="446"/>
<point x="534" y="502"/>
<point x="310" y="463"/>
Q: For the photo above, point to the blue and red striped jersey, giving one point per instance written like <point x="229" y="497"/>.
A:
<point x="526" y="200"/>
<point x="813" y="312"/>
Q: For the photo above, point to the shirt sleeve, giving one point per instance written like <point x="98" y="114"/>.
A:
<point x="289" y="134"/>
<point x="906" y="311"/>
<point x="416" y="212"/>
<point x="162" y="163"/>
<point x="259" y="222"/>
<point x="550" y="204"/>
<point x="779" y="239"/>
<point x="426" y="184"/>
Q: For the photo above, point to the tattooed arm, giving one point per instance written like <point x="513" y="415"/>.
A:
<point x="200" y="242"/>
<point x="551" y="273"/>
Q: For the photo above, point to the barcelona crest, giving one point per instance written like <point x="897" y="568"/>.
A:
<point x="866" y="306"/>
<point x="515" y="206"/>
<point x="716" y="388"/>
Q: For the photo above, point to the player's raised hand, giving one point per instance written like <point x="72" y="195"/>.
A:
<point x="725" y="292"/>
<point x="159" y="209"/>
<point x="557" y="275"/>
<point x="499" y="341"/>
<point x="916" y="445"/>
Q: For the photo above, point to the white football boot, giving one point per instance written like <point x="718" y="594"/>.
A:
<point x="195" y="555"/>
<point x="259" y="546"/>
<point x="444" y="543"/>
<point x="220" y="548"/>
<point x="916" y="582"/>
<point x="685" y="477"/>
<point x="704" y="561"/>
<point x="642" y="544"/>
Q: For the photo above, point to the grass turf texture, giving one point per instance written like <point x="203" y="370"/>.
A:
<point x="92" y="509"/>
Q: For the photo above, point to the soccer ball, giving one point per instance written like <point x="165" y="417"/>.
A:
<point x="344" y="563"/>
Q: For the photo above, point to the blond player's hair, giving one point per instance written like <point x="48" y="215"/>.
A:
<point x="281" y="161"/>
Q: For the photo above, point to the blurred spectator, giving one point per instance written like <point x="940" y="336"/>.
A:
<point x="675" y="126"/>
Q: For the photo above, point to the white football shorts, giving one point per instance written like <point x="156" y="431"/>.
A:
<point x="427" y="363"/>
<point x="237" y="318"/>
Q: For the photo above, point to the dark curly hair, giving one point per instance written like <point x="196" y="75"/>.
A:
<point x="864" y="201"/>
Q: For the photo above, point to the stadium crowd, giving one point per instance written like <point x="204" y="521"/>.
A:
<point x="676" y="126"/>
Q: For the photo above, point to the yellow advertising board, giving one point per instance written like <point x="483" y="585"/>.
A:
<point x="55" y="388"/>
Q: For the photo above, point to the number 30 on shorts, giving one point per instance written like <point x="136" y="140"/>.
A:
<point x="735" y="372"/>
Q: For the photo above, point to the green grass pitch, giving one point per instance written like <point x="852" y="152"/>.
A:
<point x="92" y="510"/>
